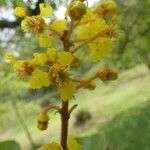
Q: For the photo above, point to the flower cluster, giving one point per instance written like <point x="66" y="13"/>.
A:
<point x="94" y="28"/>
<point x="53" y="66"/>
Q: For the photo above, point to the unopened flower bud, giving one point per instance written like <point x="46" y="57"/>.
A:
<point x="90" y="86"/>
<point x="108" y="8"/>
<point x="112" y="74"/>
<point x="76" y="60"/>
<point x="42" y="121"/>
<point x="77" y="10"/>
<point x="102" y="74"/>
<point x="107" y="74"/>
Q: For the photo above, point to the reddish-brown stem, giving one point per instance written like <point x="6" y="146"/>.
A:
<point x="64" y="124"/>
<point x="64" y="109"/>
<point x="104" y="32"/>
<point x="52" y="107"/>
<point x="87" y="81"/>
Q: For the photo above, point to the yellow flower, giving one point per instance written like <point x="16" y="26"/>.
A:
<point x="10" y="57"/>
<point x="52" y="54"/>
<point x="65" y="58"/>
<point x="39" y="79"/>
<point x="88" y="17"/>
<point x="58" y="74"/>
<point x="35" y="24"/>
<point x="40" y="59"/>
<point x="45" y="40"/>
<point x="73" y="144"/>
<point x="59" y="25"/>
<point x="24" y="67"/>
<point x="45" y="10"/>
<point x="67" y="90"/>
<point x="108" y="8"/>
<point x="51" y="146"/>
<point x="108" y="32"/>
<point x="100" y="48"/>
<point x="20" y="12"/>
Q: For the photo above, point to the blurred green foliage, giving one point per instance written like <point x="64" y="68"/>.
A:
<point x="133" y="44"/>
<point x="128" y="130"/>
<point x="6" y="145"/>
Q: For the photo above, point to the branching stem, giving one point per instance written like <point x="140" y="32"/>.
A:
<point x="64" y="108"/>
<point x="87" y="81"/>
<point x="52" y="107"/>
<point x="102" y="33"/>
<point x="72" y="108"/>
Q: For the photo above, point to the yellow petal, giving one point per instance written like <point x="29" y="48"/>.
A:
<point x="88" y="17"/>
<point x="39" y="79"/>
<point x="45" y="10"/>
<point x="65" y="58"/>
<point x="67" y="90"/>
<point x="20" y="12"/>
<point x="106" y="8"/>
<point x="88" y="30"/>
<point x="73" y="144"/>
<point x="39" y="59"/>
<point x="52" y="54"/>
<point x="45" y="40"/>
<point x="59" y="25"/>
<point x="51" y="146"/>
<point x="100" y="48"/>
<point x="18" y="65"/>
<point x="10" y="57"/>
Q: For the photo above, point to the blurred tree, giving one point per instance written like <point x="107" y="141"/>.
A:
<point x="133" y="46"/>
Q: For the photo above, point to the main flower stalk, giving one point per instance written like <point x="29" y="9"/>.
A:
<point x="65" y="105"/>
<point x="64" y="124"/>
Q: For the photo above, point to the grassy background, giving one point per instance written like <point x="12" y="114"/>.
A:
<point x="120" y="116"/>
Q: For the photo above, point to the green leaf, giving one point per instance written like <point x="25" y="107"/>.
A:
<point x="9" y="145"/>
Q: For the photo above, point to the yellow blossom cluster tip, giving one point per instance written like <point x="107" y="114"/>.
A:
<point x="53" y="67"/>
